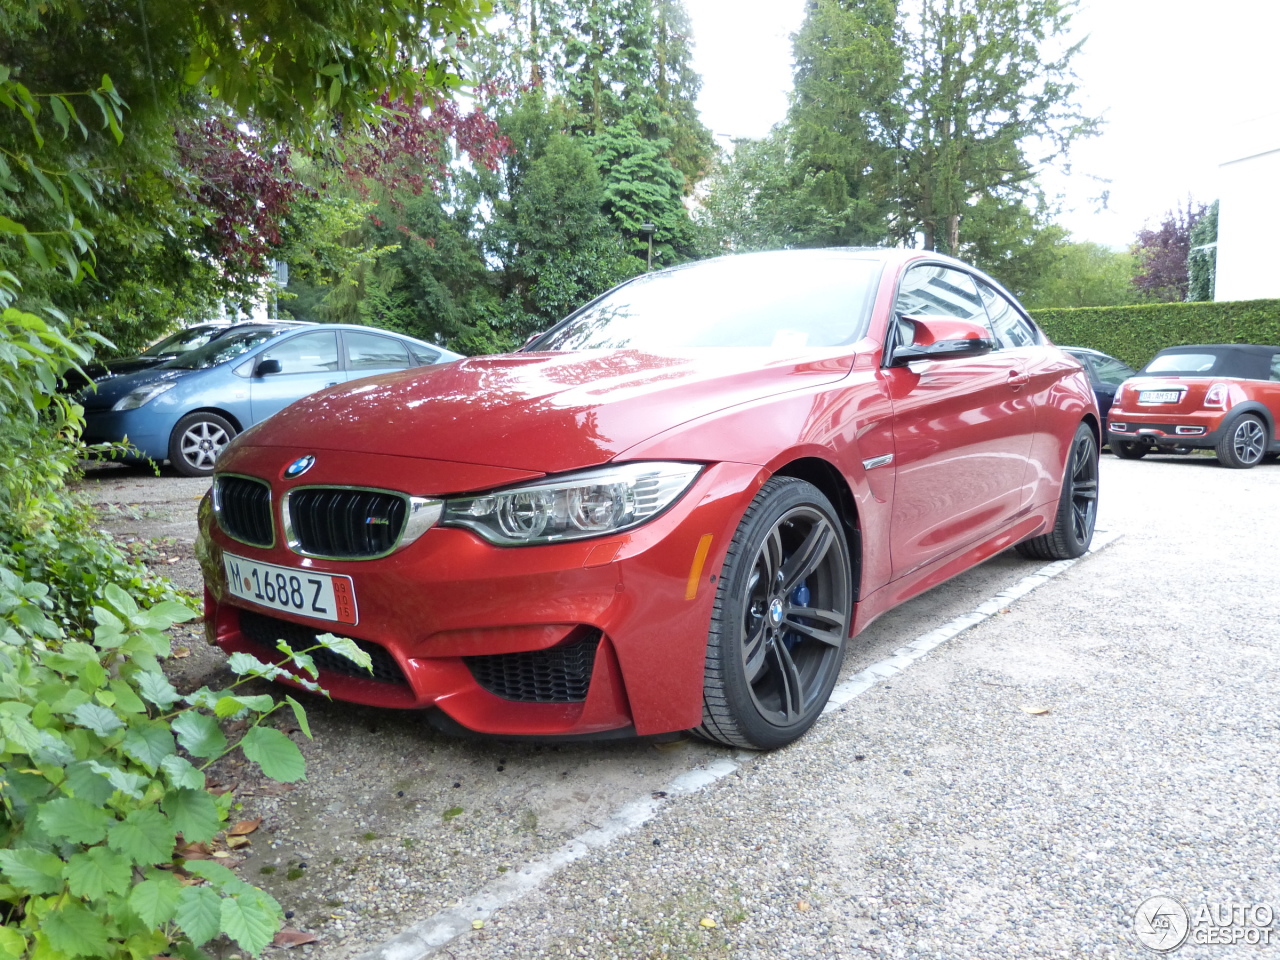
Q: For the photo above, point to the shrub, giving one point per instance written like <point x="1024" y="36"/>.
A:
<point x="1134" y="334"/>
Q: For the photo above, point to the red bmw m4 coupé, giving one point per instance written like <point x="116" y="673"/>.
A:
<point x="671" y="511"/>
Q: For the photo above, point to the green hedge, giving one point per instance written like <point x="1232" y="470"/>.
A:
<point x="1134" y="334"/>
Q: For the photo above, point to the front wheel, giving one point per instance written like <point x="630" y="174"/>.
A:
<point x="1243" y="444"/>
<point x="1077" y="505"/>
<point x="781" y="618"/>
<point x="196" y="442"/>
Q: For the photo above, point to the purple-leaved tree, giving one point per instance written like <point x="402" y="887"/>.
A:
<point x="1162" y="254"/>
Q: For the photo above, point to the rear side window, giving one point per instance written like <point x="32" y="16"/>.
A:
<point x="1011" y="328"/>
<point x="368" y="351"/>
<point x="423" y="355"/>
<point x="1275" y="367"/>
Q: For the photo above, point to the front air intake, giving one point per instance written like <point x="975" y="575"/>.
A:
<point x="557" y="675"/>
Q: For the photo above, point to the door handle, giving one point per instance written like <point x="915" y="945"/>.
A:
<point x="333" y="383"/>
<point x="1018" y="378"/>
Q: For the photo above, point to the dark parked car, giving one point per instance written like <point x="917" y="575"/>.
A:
<point x="170" y="348"/>
<point x="1105" y="376"/>
<point x="671" y="510"/>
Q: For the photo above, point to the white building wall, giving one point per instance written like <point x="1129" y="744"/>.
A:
<point x="1248" y="214"/>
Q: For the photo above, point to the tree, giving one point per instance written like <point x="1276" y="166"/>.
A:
<point x="1083" y="275"/>
<point x="1202" y="259"/>
<point x="1162" y="254"/>
<point x="921" y="110"/>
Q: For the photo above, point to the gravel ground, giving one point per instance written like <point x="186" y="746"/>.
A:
<point x="933" y="816"/>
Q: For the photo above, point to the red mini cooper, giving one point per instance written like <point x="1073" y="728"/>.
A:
<point x="1223" y="397"/>
<point x="670" y="511"/>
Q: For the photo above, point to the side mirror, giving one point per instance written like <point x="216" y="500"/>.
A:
<point x="942" y="338"/>
<point x="267" y="367"/>
<point x="532" y="337"/>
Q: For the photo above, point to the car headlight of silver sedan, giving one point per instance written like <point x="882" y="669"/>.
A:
<point x="144" y="394"/>
<point x="592" y="503"/>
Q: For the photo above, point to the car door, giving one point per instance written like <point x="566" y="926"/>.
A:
<point x="307" y="362"/>
<point x="962" y="429"/>
<point x="369" y="354"/>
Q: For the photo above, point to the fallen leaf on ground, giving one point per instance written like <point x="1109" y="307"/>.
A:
<point x="477" y="924"/>
<point x="244" y="827"/>
<point x="1036" y="711"/>
<point x="707" y="922"/>
<point x="235" y="843"/>
<point x="671" y="745"/>
<point x="181" y="652"/>
<point x="221" y="854"/>
<point x="293" y="938"/>
<point x="802" y="905"/>
<point x="195" y="851"/>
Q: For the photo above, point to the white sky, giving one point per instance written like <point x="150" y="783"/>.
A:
<point x="1172" y="78"/>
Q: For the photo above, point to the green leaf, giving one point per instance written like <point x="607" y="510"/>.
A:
<point x="155" y="900"/>
<point x="347" y="648"/>
<point x="335" y="91"/>
<point x="278" y="756"/>
<point x="126" y="700"/>
<point x="70" y="818"/>
<point x="13" y="945"/>
<point x="20" y="731"/>
<point x="157" y="688"/>
<point x="33" y="871"/>
<point x="60" y="115"/>
<point x="230" y="706"/>
<point x="88" y="784"/>
<point x="218" y="875"/>
<point x="300" y="714"/>
<point x="182" y="775"/>
<point x="131" y="784"/>
<point x="242" y="664"/>
<point x="199" y="734"/>
<point x="199" y="914"/>
<point x="76" y="931"/>
<point x="120" y="600"/>
<point x="193" y="813"/>
<point x="145" y="836"/>
<point x="247" y="918"/>
<point x="11" y="226"/>
<point x="149" y="744"/>
<point x="96" y="872"/>
<point x="169" y="612"/>
<point x="97" y="718"/>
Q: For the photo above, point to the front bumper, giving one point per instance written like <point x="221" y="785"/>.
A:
<point x="464" y="626"/>
<point x="109" y="426"/>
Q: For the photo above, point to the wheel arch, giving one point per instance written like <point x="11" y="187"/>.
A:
<point x="1260" y="410"/>
<point x="826" y="477"/>
<point x="1096" y="427"/>
<point x="217" y="412"/>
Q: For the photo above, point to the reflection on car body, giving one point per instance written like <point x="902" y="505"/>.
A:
<point x="670" y="511"/>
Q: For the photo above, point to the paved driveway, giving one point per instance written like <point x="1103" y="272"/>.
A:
<point x="1018" y="792"/>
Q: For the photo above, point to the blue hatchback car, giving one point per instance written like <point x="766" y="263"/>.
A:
<point x="186" y="410"/>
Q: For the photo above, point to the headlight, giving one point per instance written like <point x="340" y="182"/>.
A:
<point x="593" y="503"/>
<point x="140" y="395"/>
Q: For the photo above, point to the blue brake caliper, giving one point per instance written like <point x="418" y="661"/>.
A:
<point x="800" y="598"/>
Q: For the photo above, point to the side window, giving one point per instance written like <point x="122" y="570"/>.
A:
<point x="1011" y="328"/>
<point x="368" y="351"/>
<point x="1275" y="366"/>
<point x="934" y="291"/>
<point x="309" y="353"/>
<point x="1110" y="370"/>
<point x="424" y="355"/>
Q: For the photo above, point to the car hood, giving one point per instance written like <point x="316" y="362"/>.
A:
<point x="543" y="412"/>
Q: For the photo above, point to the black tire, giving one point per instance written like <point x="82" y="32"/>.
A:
<point x="1243" y="443"/>
<point x="769" y="668"/>
<point x="1077" y="505"/>
<point x="197" y="441"/>
<point x="1129" y="449"/>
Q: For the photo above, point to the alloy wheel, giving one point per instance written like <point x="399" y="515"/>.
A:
<point x="1249" y="440"/>
<point x="794" y="616"/>
<point x="202" y="442"/>
<point x="1084" y="488"/>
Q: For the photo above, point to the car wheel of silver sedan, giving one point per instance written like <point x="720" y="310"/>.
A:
<point x="1243" y="443"/>
<point x="197" y="441"/>
<point x="781" y="619"/>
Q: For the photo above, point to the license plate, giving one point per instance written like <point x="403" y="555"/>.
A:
<point x="320" y="595"/>
<point x="1159" y="396"/>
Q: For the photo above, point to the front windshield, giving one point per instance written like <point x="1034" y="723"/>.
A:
<point x="784" y="302"/>
<point x="223" y="349"/>
<point x="182" y="341"/>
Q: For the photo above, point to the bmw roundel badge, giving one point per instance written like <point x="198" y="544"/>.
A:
<point x="299" y="466"/>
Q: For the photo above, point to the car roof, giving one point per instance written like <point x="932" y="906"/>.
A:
<point x="1250" y="348"/>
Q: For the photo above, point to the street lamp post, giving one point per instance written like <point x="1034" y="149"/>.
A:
<point x="646" y="230"/>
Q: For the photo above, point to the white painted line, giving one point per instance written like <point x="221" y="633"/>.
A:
<point x="423" y="939"/>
